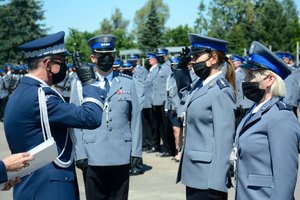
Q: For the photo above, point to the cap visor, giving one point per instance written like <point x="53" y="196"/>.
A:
<point x="250" y="66"/>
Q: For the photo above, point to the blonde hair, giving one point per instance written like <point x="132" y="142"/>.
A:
<point x="277" y="88"/>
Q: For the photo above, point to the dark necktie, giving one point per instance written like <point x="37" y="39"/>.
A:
<point x="107" y="87"/>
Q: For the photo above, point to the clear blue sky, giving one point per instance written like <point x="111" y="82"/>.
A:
<point x="86" y="15"/>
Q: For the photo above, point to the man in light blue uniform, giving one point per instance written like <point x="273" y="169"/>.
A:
<point x="22" y="122"/>
<point x="151" y="140"/>
<point x="139" y="77"/>
<point x="109" y="149"/>
<point x="159" y="98"/>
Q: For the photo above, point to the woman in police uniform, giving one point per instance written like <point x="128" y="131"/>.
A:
<point x="210" y="120"/>
<point x="267" y="137"/>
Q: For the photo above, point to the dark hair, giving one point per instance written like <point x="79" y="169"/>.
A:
<point x="33" y="62"/>
<point x="230" y="71"/>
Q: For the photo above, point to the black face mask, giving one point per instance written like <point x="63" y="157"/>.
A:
<point x="201" y="69"/>
<point x="147" y="64"/>
<point x="252" y="91"/>
<point x="60" y="76"/>
<point x="161" y="59"/>
<point x="105" y="62"/>
<point x="127" y="72"/>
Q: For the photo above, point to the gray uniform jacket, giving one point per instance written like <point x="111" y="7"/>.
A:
<point x="241" y="100"/>
<point x="148" y="87"/>
<point x="3" y="88"/>
<point x="139" y="77"/>
<point x="292" y="88"/>
<point x="210" y="126"/>
<point x="267" y="145"/>
<point x="159" y="94"/>
<point x="120" y="134"/>
<point x="173" y="100"/>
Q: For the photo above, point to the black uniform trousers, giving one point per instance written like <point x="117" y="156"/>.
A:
<point x="198" y="194"/>
<point x="148" y="122"/>
<point x="163" y="130"/>
<point x="107" y="182"/>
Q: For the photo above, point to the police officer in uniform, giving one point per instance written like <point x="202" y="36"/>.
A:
<point x="159" y="98"/>
<point x="22" y="123"/>
<point x="139" y="77"/>
<point x="210" y="119"/>
<point x="127" y="68"/>
<point x="268" y="136"/>
<point x="150" y="137"/>
<point x="3" y="92"/>
<point x="292" y="95"/>
<point x="171" y="107"/>
<point x="108" y="149"/>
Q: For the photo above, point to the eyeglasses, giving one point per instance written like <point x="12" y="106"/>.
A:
<point x="59" y="61"/>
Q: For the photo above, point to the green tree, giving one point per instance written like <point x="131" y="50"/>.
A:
<point x="177" y="36"/>
<point x="142" y="15"/>
<point x="77" y="40"/>
<point x="117" y="26"/>
<point x="20" y="22"/>
<point x="149" y="37"/>
<point x="200" y="26"/>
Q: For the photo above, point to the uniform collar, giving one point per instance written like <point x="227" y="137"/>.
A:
<point x="101" y="77"/>
<point x="38" y="79"/>
<point x="208" y="79"/>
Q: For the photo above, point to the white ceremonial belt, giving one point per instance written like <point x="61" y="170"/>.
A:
<point x="93" y="100"/>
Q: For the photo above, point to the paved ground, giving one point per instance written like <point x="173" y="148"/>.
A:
<point x="156" y="183"/>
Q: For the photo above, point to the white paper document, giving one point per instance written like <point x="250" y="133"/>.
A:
<point x="43" y="154"/>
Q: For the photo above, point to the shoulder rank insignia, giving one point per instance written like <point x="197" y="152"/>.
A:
<point x="283" y="106"/>
<point x="125" y="75"/>
<point x="222" y="83"/>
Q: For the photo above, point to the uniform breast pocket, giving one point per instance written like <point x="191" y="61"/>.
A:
<point x="124" y="97"/>
<point x="62" y="175"/>
<point x="201" y="156"/>
<point x="88" y="138"/>
<point x="255" y="180"/>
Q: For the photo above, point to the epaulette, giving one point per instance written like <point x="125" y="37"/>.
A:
<point x="283" y="106"/>
<point x="222" y="83"/>
<point x="125" y="75"/>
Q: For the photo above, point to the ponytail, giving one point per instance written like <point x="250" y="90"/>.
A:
<point x="230" y="71"/>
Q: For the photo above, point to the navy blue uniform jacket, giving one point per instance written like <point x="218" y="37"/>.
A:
<point x="23" y="132"/>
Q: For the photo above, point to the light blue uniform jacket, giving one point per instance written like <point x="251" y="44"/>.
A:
<point x="139" y="77"/>
<point x="210" y="126"/>
<point x="159" y="94"/>
<point x="148" y="87"/>
<point x="120" y="134"/>
<point x="292" y="88"/>
<point x="267" y="143"/>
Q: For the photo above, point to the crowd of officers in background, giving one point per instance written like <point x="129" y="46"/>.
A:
<point x="162" y="118"/>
